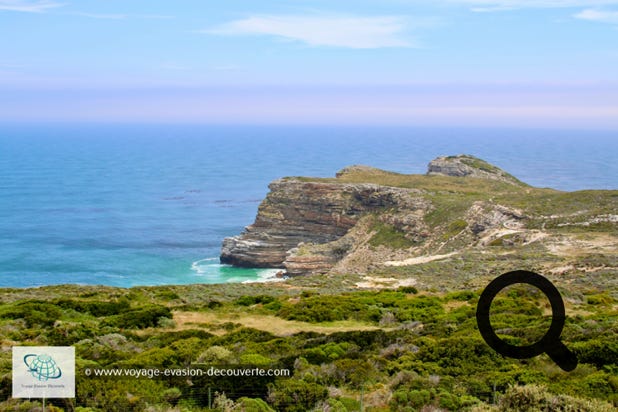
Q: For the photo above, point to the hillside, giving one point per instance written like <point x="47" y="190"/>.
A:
<point x="463" y="221"/>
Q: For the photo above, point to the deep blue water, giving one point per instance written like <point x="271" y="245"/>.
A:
<point x="143" y="205"/>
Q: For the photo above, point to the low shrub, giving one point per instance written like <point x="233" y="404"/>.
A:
<point x="534" y="398"/>
<point x="141" y="318"/>
<point x="295" y="395"/>
<point x="34" y="313"/>
<point x="95" y="308"/>
<point x="249" y="300"/>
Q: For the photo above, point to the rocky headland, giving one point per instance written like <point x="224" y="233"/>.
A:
<point x="464" y="210"/>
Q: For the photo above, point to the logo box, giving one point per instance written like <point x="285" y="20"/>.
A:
<point x="43" y="372"/>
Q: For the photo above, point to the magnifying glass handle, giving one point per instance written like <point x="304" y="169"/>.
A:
<point x="563" y="356"/>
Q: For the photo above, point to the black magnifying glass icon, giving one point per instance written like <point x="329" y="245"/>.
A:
<point x="550" y="343"/>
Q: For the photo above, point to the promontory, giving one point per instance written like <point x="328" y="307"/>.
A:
<point x="465" y="215"/>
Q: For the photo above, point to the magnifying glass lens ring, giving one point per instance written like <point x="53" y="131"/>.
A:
<point x="551" y="337"/>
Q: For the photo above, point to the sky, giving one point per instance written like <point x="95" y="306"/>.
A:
<point x="520" y="63"/>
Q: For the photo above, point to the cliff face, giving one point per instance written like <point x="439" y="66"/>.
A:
<point x="368" y="220"/>
<point x="297" y="211"/>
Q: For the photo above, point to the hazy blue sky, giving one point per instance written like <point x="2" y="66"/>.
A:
<point x="549" y="63"/>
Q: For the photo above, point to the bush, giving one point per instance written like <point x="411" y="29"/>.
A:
<point x="327" y="353"/>
<point x="331" y="405"/>
<point x="449" y="401"/>
<point x="533" y="398"/>
<point x="421" y="308"/>
<point x="350" y="404"/>
<point x="599" y="352"/>
<point x="321" y="309"/>
<point x="67" y="334"/>
<point x="254" y="300"/>
<point x="254" y="359"/>
<point x="245" y="335"/>
<point x="172" y="395"/>
<point x="365" y="339"/>
<point x="363" y="306"/>
<point x="354" y="372"/>
<point x="464" y="295"/>
<point x="215" y="355"/>
<point x="415" y="399"/>
<point x="34" y="313"/>
<point x="253" y="405"/>
<point x="96" y="308"/>
<point x="141" y="318"/>
<point x="459" y="356"/>
<point x="167" y="338"/>
<point x="295" y="396"/>
<point x="600" y="299"/>
<point x="213" y="304"/>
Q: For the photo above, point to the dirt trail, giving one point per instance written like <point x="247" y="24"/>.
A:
<point x="213" y="323"/>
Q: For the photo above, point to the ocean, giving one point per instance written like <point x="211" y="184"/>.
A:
<point x="127" y="205"/>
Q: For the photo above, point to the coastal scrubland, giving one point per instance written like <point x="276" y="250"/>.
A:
<point x="384" y="349"/>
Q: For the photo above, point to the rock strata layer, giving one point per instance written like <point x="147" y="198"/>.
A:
<point x="297" y="211"/>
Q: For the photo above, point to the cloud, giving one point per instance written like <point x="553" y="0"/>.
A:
<point x="119" y="16"/>
<point x="28" y="6"/>
<point x="598" y="16"/>
<point x="335" y="31"/>
<point x="99" y="16"/>
<point x="41" y="6"/>
<point x="498" y="5"/>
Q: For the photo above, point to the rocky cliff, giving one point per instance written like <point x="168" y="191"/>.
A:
<point x="367" y="220"/>
<point x="297" y="211"/>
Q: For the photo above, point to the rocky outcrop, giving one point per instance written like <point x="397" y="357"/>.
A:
<point x="482" y="217"/>
<point x="297" y="211"/>
<point x="468" y="166"/>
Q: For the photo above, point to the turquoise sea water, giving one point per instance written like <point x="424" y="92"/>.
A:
<point x="132" y="205"/>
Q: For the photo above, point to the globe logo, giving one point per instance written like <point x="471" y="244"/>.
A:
<point x="42" y="367"/>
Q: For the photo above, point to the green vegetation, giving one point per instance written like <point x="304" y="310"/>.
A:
<point x="534" y="398"/>
<point x="388" y="235"/>
<point x="402" y="350"/>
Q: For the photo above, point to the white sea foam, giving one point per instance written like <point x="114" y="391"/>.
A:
<point x="266" y="275"/>
<point x="199" y="268"/>
<point x="209" y="269"/>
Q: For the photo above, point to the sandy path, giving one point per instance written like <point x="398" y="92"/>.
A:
<point x="272" y="324"/>
<point x="418" y="260"/>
